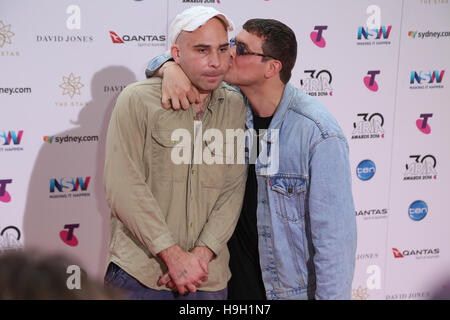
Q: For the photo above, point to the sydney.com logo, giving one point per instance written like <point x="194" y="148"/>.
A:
<point x="70" y="139"/>
<point x="428" y="34"/>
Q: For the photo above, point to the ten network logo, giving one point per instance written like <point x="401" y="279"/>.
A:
<point x="4" y="195"/>
<point x="370" y="82"/>
<point x="422" y="123"/>
<point x="317" y="37"/>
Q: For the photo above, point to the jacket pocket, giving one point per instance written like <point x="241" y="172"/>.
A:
<point x="288" y="195"/>
<point x="214" y="165"/>
<point x="170" y="158"/>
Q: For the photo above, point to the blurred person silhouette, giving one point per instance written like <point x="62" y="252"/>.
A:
<point x="31" y="275"/>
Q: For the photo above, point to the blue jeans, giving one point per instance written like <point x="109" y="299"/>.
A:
<point x="134" y="290"/>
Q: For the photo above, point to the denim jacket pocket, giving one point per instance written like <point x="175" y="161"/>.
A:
<point x="288" y="196"/>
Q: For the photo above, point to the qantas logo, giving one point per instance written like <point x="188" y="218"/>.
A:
<point x="115" y="38"/>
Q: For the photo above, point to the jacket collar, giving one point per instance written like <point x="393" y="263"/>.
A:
<point x="280" y="112"/>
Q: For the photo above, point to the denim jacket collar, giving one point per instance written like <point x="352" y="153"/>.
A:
<point x="272" y="134"/>
<point x="280" y="112"/>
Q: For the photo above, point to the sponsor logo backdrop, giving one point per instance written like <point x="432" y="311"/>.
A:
<point x="379" y="67"/>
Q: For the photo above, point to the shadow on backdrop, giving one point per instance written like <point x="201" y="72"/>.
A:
<point x="66" y="209"/>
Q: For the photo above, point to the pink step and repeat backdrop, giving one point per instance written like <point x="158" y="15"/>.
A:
<point x="379" y="66"/>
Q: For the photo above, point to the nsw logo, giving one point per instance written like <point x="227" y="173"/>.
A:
<point x="365" y="170"/>
<point x="11" y="136"/>
<point x="431" y="79"/>
<point x="69" y="187"/>
<point x="373" y="36"/>
<point x="418" y="210"/>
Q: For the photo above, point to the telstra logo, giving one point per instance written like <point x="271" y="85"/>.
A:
<point x="317" y="38"/>
<point x="67" y="236"/>
<point x="422" y="123"/>
<point x="370" y="82"/>
<point x="4" y="195"/>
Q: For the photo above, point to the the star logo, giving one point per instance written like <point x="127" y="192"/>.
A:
<point x="71" y="85"/>
<point x="5" y="34"/>
<point x="360" y="293"/>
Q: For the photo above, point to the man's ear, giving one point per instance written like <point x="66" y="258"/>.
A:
<point x="273" y="68"/>
<point x="175" y="52"/>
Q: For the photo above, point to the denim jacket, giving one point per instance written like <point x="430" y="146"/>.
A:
<point x="305" y="214"/>
<point x="306" y="217"/>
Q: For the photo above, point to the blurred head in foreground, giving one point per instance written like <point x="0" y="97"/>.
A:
<point x="29" y="275"/>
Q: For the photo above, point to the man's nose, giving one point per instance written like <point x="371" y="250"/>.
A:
<point x="214" y="60"/>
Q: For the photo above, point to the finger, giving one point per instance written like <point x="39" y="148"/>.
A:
<point x="164" y="279"/>
<point x="191" y="287"/>
<point x="191" y="96"/>
<point x="165" y="101"/>
<point x="184" y="103"/>
<point x="204" y="266"/>
<point x="171" y="284"/>
<point x="196" y="94"/>
<point x="181" y="289"/>
<point x="175" y="104"/>
<point x="204" y="279"/>
<point x="199" y="284"/>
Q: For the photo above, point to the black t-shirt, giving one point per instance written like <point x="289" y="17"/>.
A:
<point x="246" y="280"/>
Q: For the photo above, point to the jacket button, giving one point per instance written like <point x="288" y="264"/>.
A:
<point x="246" y="149"/>
<point x="290" y="190"/>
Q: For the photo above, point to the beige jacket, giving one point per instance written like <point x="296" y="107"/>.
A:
<point x="156" y="203"/>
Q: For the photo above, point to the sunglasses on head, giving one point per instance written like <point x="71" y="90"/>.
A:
<point x="242" y="51"/>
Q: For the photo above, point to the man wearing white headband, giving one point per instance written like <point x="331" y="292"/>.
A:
<point x="170" y="221"/>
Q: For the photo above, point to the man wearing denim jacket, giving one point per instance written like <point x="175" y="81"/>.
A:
<point x="305" y="240"/>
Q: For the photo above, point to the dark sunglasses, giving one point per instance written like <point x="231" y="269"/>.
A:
<point x="241" y="51"/>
